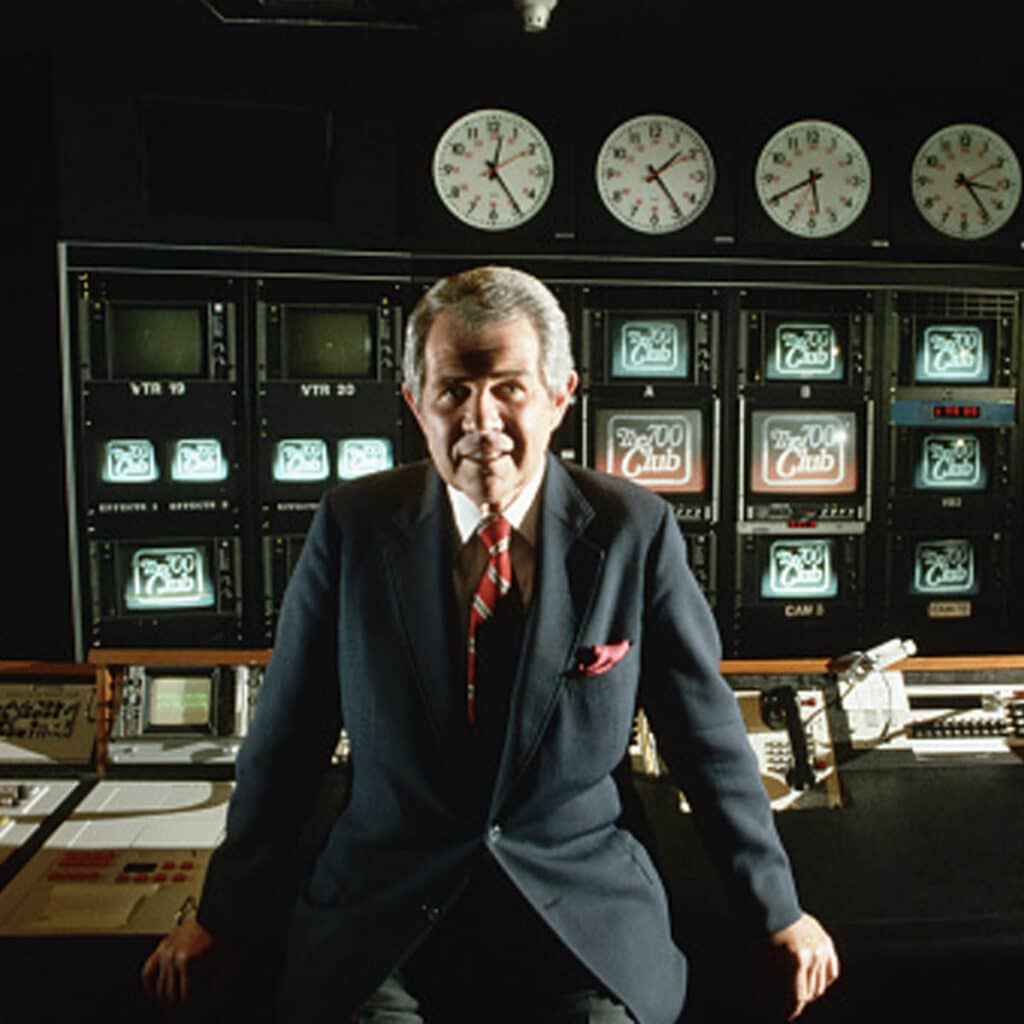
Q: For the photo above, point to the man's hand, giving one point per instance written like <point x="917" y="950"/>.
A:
<point x="798" y="964"/>
<point x="183" y="963"/>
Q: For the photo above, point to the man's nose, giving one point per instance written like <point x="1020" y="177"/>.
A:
<point x="481" y="412"/>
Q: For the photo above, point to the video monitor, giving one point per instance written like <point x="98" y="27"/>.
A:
<point x="165" y="591"/>
<point x="953" y="352"/>
<point x="646" y="348"/>
<point x="791" y="339"/>
<point x="324" y="343"/>
<point x="306" y="342"/>
<point x="308" y="460"/>
<point x="809" y="459"/>
<point x="128" y="460"/>
<point x="198" y="460"/>
<point x="944" y="567"/>
<point x="361" y="456"/>
<point x="799" y="593"/>
<point x="152" y="339"/>
<point x="669" y="449"/>
<point x="651" y="344"/>
<point x="661" y="449"/>
<point x="951" y="461"/>
<point x="167" y="577"/>
<point x="300" y="460"/>
<point x="949" y="588"/>
<point x="799" y="568"/>
<point x="178" y="703"/>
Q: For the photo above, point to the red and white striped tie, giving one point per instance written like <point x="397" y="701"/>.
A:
<point x="495" y="583"/>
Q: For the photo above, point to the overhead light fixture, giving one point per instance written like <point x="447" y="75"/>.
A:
<point x="535" y="13"/>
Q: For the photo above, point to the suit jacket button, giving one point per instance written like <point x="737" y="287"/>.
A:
<point x="494" y="834"/>
<point x="430" y="913"/>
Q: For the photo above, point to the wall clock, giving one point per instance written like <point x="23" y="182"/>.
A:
<point x="965" y="181"/>
<point x="813" y="178"/>
<point x="493" y="169"/>
<point x="655" y="174"/>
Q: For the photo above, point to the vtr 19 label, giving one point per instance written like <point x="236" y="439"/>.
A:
<point x="799" y="568"/>
<point x="803" y="451"/>
<point x="953" y="352"/>
<point x="660" y="450"/>
<point x="944" y="567"/>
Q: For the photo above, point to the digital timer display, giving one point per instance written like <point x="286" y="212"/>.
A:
<point x="956" y="412"/>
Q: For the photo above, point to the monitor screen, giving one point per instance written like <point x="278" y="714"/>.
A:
<point x="168" y="577"/>
<point x="649" y="347"/>
<point x="128" y="460"/>
<point x="804" y="349"/>
<point x="325" y="343"/>
<point x="360" y="456"/>
<point x="803" y="452"/>
<point x="198" y="460"/>
<point x="944" y="568"/>
<point x="662" y="449"/>
<point x="300" y="460"/>
<point x="179" y="702"/>
<point x="799" y="568"/>
<point x="156" y="341"/>
<point x="950" y="460"/>
<point x="951" y="352"/>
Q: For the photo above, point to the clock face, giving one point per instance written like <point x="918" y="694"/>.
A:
<point x="493" y="169"/>
<point x="655" y="174"/>
<point x="966" y="181"/>
<point x="813" y="178"/>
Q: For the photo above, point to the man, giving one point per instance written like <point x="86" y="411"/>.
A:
<point x="488" y="690"/>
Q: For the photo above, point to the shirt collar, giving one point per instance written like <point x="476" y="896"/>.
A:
<point x="468" y="515"/>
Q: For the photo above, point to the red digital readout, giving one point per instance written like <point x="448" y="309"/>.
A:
<point x="956" y="412"/>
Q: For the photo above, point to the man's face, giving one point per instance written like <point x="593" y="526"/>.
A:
<point x="484" y="411"/>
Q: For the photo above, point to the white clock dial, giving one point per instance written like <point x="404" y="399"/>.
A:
<point x="813" y="178"/>
<point x="966" y="181"/>
<point x="493" y="169"/>
<point x="655" y="174"/>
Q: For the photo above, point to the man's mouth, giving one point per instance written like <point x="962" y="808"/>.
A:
<point x="483" y="449"/>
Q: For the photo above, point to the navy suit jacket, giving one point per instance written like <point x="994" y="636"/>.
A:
<point x="367" y="640"/>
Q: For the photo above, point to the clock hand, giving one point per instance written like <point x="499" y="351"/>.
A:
<point x="961" y="179"/>
<point x="655" y="172"/>
<point x="811" y="178"/>
<point x="654" y="175"/>
<point x="495" y="176"/>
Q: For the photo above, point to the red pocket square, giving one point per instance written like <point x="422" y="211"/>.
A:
<point x="596" y="660"/>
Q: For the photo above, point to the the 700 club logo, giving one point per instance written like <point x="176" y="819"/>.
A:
<point x="806" y="350"/>
<point x="944" y="567"/>
<point x="952" y="460"/>
<point x="800" y="569"/>
<point x="954" y="352"/>
<point x="809" y="450"/>
<point x="659" y="450"/>
<point x="168" y="576"/>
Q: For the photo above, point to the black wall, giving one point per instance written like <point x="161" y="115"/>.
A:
<point x="159" y="123"/>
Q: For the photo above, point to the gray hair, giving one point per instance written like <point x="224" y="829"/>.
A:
<point x="489" y="295"/>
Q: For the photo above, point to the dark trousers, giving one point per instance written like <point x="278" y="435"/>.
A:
<point x="492" y="959"/>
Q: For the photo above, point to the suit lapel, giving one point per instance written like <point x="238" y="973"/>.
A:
<point x="419" y="561"/>
<point x="566" y="577"/>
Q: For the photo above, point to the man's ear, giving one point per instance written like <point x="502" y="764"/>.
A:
<point x="564" y="399"/>
<point x="411" y="402"/>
